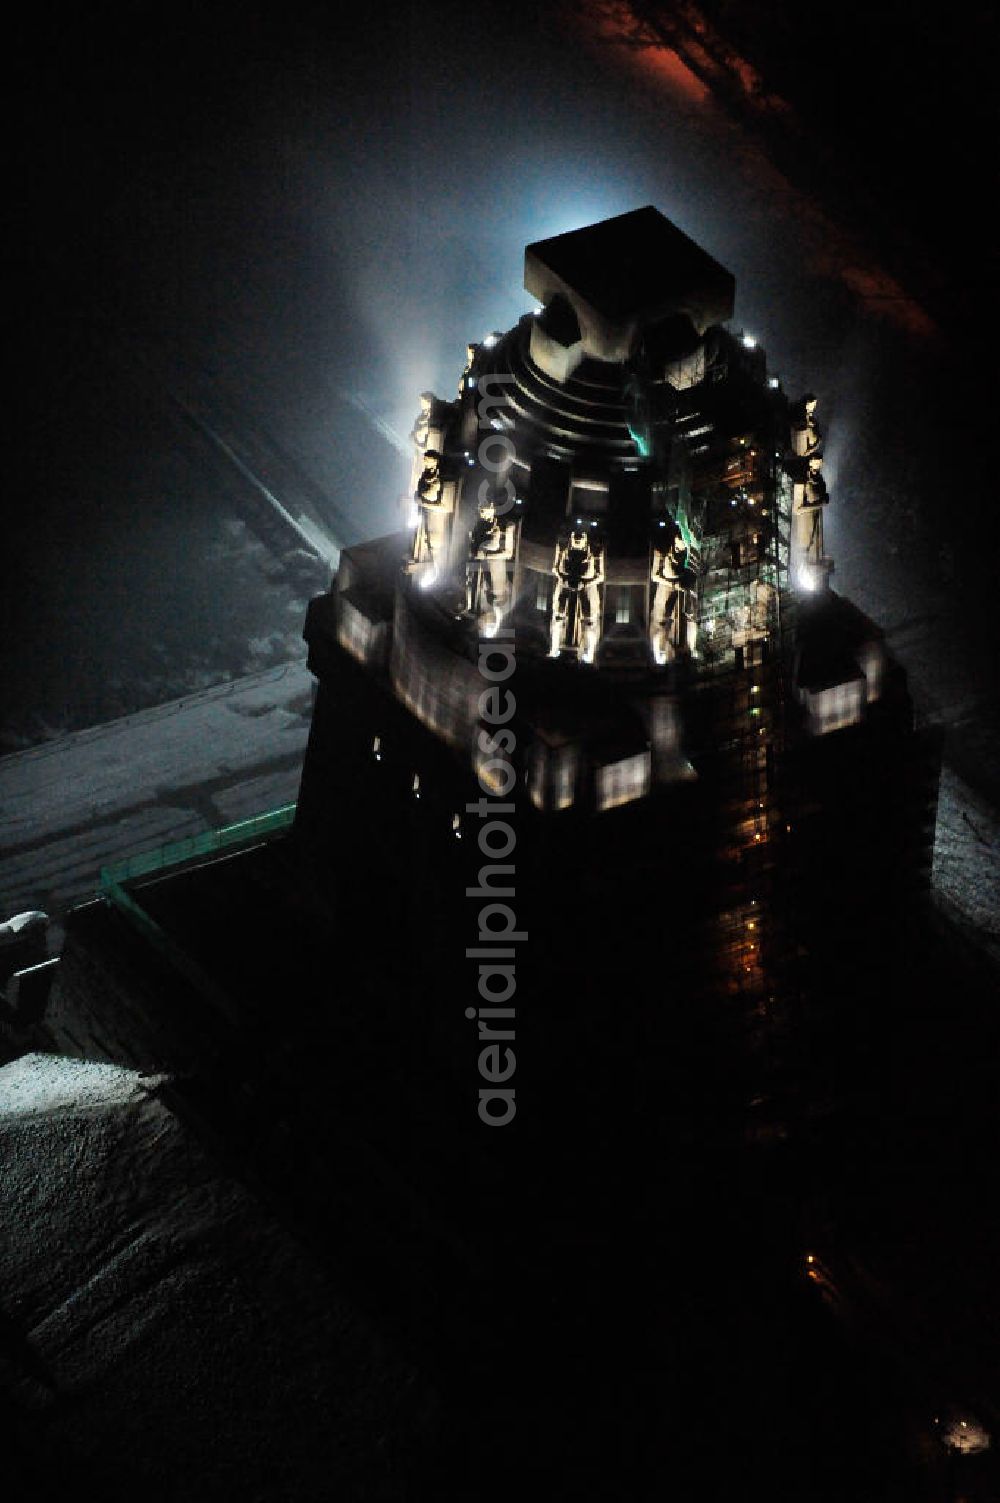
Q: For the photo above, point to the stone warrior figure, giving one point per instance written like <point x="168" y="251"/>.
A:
<point x="422" y="426"/>
<point x="429" y="430"/>
<point x="673" y="627"/>
<point x="428" y="540"/>
<point x="806" y="437"/>
<point x="491" y="546"/>
<point x="576" y="603"/>
<point x="809" y="499"/>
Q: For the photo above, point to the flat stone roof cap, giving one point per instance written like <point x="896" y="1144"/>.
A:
<point x="634" y="267"/>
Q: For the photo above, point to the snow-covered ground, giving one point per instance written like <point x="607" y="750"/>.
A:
<point x="161" y="1334"/>
<point x="70" y="806"/>
<point x="967" y="858"/>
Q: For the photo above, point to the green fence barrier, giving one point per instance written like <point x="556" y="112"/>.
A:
<point x="174" y="854"/>
<point x="205" y="844"/>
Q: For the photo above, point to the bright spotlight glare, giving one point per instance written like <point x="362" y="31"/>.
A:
<point x="428" y="580"/>
<point x="749" y="342"/>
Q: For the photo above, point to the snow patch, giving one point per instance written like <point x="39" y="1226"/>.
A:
<point x="967" y="853"/>
<point x="39" y="1085"/>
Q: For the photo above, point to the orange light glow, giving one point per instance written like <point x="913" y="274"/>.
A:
<point x="642" y="51"/>
<point x="668" y="66"/>
<point x="696" y="66"/>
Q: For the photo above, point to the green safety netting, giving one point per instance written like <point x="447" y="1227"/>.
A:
<point x="205" y="844"/>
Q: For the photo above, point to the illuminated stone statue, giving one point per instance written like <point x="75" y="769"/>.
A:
<point x="430" y="537"/>
<point x="806" y="437"/>
<point x="422" y="426"/>
<point x="576" y="601"/>
<point x="491" y="547"/>
<point x="809" y="497"/>
<point x="673" y="628"/>
<point x="430" y="431"/>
